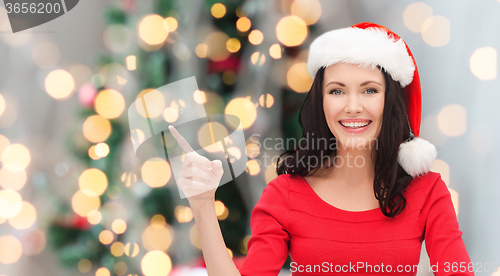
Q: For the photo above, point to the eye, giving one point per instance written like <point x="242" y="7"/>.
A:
<point x="372" y="90"/>
<point x="334" y="92"/>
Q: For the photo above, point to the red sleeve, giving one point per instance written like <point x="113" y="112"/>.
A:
<point x="443" y="239"/>
<point x="268" y="245"/>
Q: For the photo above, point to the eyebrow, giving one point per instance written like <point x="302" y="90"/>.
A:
<point x="363" y="84"/>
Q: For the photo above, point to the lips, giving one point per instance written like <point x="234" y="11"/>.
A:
<point x="355" y="123"/>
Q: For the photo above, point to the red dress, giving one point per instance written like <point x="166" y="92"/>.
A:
<point x="290" y="218"/>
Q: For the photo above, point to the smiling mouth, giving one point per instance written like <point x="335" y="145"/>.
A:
<point x="355" y="125"/>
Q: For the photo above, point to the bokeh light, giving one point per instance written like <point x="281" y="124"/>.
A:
<point x="117" y="249"/>
<point x="131" y="249"/>
<point x="93" y="182"/>
<point x="157" y="237"/>
<point x="131" y="62"/>
<point x="252" y="149"/>
<point x="94" y="217"/>
<point x="258" y="58"/>
<point x="10" y="203"/>
<point x="266" y="100"/>
<point x="25" y="218"/>
<point x="2" y="105"/>
<point x="101" y="150"/>
<point x="10" y="249"/>
<point x="102" y="272"/>
<point x="442" y="168"/>
<point x="117" y="37"/>
<point x="151" y="29"/>
<point x="415" y="15"/>
<point x="200" y="97"/>
<point x="119" y="226"/>
<point x="156" y="172"/>
<point x="83" y="203"/>
<point x="218" y="10"/>
<point x="291" y="31"/>
<point x="253" y="167"/>
<point x="436" y="31"/>
<point x="120" y="268"/>
<point x="106" y="237"/>
<point x="12" y="180"/>
<point x="298" y="78"/>
<point x="233" y="45"/>
<point x="33" y="242"/>
<point x="170" y="24"/>
<point x="216" y="46"/>
<point x="194" y="237"/>
<point x="201" y="50"/>
<point x="275" y="51"/>
<point x="59" y="84"/>
<point x="270" y="173"/>
<point x="16" y="157"/>
<point x="170" y="114"/>
<point x="256" y="37"/>
<point x="483" y="63"/>
<point x="183" y="214"/>
<point x="206" y="137"/>
<point x="96" y="128"/>
<point x="452" y="120"/>
<point x="307" y="10"/>
<point x="84" y="265"/>
<point x="244" y="109"/>
<point x="243" y="24"/>
<point x="155" y="103"/>
<point x="156" y="263"/>
<point x="109" y="103"/>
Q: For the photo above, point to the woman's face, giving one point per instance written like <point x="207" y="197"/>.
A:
<point x="353" y="97"/>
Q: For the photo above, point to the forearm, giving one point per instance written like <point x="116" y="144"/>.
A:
<point x="217" y="258"/>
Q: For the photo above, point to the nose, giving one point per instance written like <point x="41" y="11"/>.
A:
<point x="353" y="104"/>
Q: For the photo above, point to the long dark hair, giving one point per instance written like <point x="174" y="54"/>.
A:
<point x="390" y="179"/>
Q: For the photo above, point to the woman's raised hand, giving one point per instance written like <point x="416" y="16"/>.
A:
<point x="199" y="177"/>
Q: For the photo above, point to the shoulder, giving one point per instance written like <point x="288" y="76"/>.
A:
<point x="424" y="189"/>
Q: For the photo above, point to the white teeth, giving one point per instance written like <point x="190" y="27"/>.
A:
<point x="355" y="125"/>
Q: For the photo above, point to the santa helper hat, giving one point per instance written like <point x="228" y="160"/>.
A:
<point x="369" y="44"/>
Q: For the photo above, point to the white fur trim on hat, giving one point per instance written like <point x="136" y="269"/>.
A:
<point x="417" y="156"/>
<point x="370" y="46"/>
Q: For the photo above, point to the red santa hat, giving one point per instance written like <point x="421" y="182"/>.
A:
<point x="369" y="44"/>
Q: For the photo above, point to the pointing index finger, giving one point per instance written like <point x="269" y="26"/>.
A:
<point x="182" y="142"/>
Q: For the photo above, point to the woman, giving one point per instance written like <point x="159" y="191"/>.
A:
<point x="368" y="200"/>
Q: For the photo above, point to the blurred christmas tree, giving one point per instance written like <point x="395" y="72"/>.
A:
<point x="125" y="214"/>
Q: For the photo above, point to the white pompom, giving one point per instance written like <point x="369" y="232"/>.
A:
<point x="417" y="156"/>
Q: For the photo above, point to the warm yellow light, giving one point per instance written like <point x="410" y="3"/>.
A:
<point x="291" y="31"/>
<point x="415" y="15"/>
<point x="25" y="218"/>
<point x="4" y="142"/>
<point x="93" y="154"/>
<point x="243" y="24"/>
<point x="244" y="109"/>
<point x="224" y="214"/>
<point x="201" y="50"/>
<point x="131" y="249"/>
<point x="230" y="252"/>
<point x="219" y="207"/>
<point x="102" y="272"/>
<point x="270" y="173"/>
<point x="59" y="84"/>
<point x="256" y="37"/>
<point x="483" y="63"/>
<point x="436" y="31"/>
<point x="218" y="10"/>
<point x="109" y="103"/>
<point x="275" y="51"/>
<point x="10" y="203"/>
<point x="154" y="100"/>
<point x="151" y="29"/>
<point x="84" y="265"/>
<point x="253" y="150"/>
<point x="119" y="226"/>
<point x="94" y="217"/>
<point x="96" y="128"/>
<point x="452" y="120"/>
<point x="200" y="97"/>
<point x="93" y="182"/>
<point x="308" y="10"/>
<point x="193" y="236"/>
<point x="170" y="114"/>
<point x="156" y="172"/>
<point x="183" y="214"/>
<point x="454" y="199"/>
<point x="266" y="100"/>
<point x="156" y="263"/>
<point x="117" y="249"/>
<point x="257" y="58"/>
<point x="298" y="78"/>
<point x="206" y="134"/>
<point x="16" y="157"/>
<point x="442" y="168"/>
<point x="131" y="62"/>
<point x="170" y="24"/>
<point x="10" y="249"/>
<point x="158" y="220"/>
<point x="101" y="150"/>
<point x="83" y="204"/>
<point x="233" y="45"/>
<point x="157" y="237"/>
<point x="217" y="50"/>
<point x="106" y="237"/>
<point x="12" y="180"/>
<point x="253" y="167"/>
